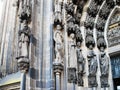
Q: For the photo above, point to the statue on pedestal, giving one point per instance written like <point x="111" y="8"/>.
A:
<point x="23" y="46"/>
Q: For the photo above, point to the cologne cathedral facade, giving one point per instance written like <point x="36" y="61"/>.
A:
<point x="59" y="44"/>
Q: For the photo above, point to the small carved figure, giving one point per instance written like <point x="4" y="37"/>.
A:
<point x="92" y="63"/>
<point x="58" y="37"/>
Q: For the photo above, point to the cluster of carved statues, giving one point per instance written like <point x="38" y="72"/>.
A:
<point x="24" y="35"/>
<point x="74" y="12"/>
<point x="75" y="57"/>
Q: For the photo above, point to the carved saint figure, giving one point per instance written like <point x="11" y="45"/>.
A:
<point x="80" y="58"/>
<point x="23" y="47"/>
<point x="72" y="51"/>
<point x="104" y="63"/>
<point x="92" y="63"/>
<point x="24" y="35"/>
<point x="58" y="37"/>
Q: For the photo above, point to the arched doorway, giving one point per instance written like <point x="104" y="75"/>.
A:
<point x="113" y="35"/>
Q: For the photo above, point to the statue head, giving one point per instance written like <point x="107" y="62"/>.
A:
<point x="78" y="44"/>
<point x="72" y="35"/>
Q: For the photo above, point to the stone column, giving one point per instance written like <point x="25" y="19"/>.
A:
<point x="23" y="85"/>
<point x="58" y="67"/>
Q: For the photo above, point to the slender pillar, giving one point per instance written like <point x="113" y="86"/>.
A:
<point x="57" y="75"/>
<point x="23" y="84"/>
<point x="58" y="67"/>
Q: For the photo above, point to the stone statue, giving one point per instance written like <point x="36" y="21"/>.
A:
<point x="24" y="39"/>
<point x="80" y="64"/>
<point x="23" y="47"/>
<point x="58" y="37"/>
<point x="72" y="51"/>
<point x="104" y="62"/>
<point x="92" y="63"/>
<point x="80" y="59"/>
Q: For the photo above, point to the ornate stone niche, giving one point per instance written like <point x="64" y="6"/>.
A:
<point x="58" y="6"/>
<point x="72" y="77"/>
<point x="101" y="42"/>
<point x="90" y="41"/>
